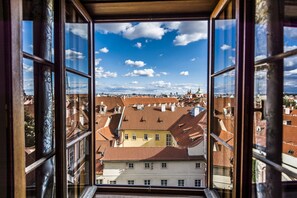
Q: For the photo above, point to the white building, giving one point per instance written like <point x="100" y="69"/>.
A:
<point x="152" y="166"/>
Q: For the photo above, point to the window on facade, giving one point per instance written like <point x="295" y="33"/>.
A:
<point x="163" y="182"/>
<point x="197" y="165"/>
<point x="134" y="136"/>
<point x="181" y="182"/>
<point x="147" y="182"/>
<point x="157" y="137"/>
<point x="135" y="72"/>
<point x="197" y="182"/>
<point x="112" y="182"/>
<point x="168" y="140"/>
<point x="145" y="136"/>
<point x="146" y="165"/>
<point x="130" y="182"/>
<point x="130" y="165"/>
<point x="164" y="165"/>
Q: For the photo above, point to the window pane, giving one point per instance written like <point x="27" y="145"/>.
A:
<point x="260" y="185"/>
<point x="78" y="167"/>
<point x="77" y="125"/>
<point x="261" y="17"/>
<point x="289" y="149"/>
<point x="39" y="116"/>
<point x="151" y="107"/>
<point x="223" y="131"/>
<point x="38" y="28"/>
<point x="76" y="41"/>
<point x="77" y="104"/>
<point x="41" y="181"/>
<point x="225" y="43"/>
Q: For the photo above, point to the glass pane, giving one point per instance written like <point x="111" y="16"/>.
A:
<point x="260" y="181"/>
<point x="151" y="107"/>
<point x="38" y="28"/>
<point x="78" y="167"/>
<point x="225" y="44"/>
<point x="38" y="116"/>
<point x="41" y="182"/>
<point x="76" y="41"/>
<point x="77" y="104"/>
<point x="289" y="148"/>
<point x="261" y="17"/>
<point x="77" y="124"/>
<point x="223" y="130"/>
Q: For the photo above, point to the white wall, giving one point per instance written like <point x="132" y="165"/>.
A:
<point x="176" y="170"/>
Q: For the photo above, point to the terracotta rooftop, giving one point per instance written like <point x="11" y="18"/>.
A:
<point x="109" y="101"/>
<point x="187" y="131"/>
<point x="147" y="154"/>
<point x="151" y="118"/>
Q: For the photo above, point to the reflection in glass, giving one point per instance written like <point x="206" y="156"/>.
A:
<point x="41" y="181"/>
<point x="77" y="123"/>
<point x="38" y="28"/>
<point x="261" y="19"/>
<point x="77" y="104"/>
<point x="28" y="90"/>
<point x="223" y="131"/>
<point x="225" y="43"/>
<point x="259" y="171"/>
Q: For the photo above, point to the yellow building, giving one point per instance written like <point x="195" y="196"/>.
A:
<point x="150" y="126"/>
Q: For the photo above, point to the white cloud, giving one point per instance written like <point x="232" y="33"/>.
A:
<point x="73" y="55"/>
<point x="232" y="59"/>
<point x="161" y="55"/>
<point x="291" y="72"/>
<point x="134" y="82"/>
<point x="185" y="39"/>
<point x="138" y="45"/>
<point x="289" y="48"/>
<point x="97" y="52"/>
<point x="144" y="73"/>
<point x="135" y="63"/>
<point x="97" y="61"/>
<point x="164" y="73"/>
<point x="259" y="57"/>
<point x="104" y="50"/>
<point x="27" y="68"/>
<point x="161" y="84"/>
<point x="290" y="32"/>
<point x="225" y="47"/>
<point x="145" y="30"/>
<point x="100" y="73"/>
<point x="158" y="75"/>
<point x="291" y="61"/>
<point x="184" y="73"/>
<point x="225" y="24"/>
<point x="193" y="59"/>
<point x="79" y="29"/>
<point x="188" y="31"/>
<point x="115" y="28"/>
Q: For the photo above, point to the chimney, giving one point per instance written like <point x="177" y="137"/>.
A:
<point x="172" y="107"/>
<point x="287" y="111"/>
<point x="163" y="108"/>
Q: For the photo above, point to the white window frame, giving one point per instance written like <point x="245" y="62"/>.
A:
<point x="147" y="182"/>
<point x="126" y="136"/>
<point x="134" y="137"/>
<point x="147" y="165"/>
<point x="163" y="165"/>
<point x="157" y="137"/>
<point x="130" y="182"/>
<point x="196" y="182"/>
<point x="198" y="165"/>
<point x="130" y="165"/>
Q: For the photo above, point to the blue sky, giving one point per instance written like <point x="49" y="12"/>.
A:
<point x="158" y="57"/>
<point x="155" y="57"/>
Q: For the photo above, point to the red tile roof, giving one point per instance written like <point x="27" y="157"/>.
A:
<point x="187" y="130"/>
<point x="151" y="118"/>
<point x="147" y="154"/>
<point x="148" y="100"/>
